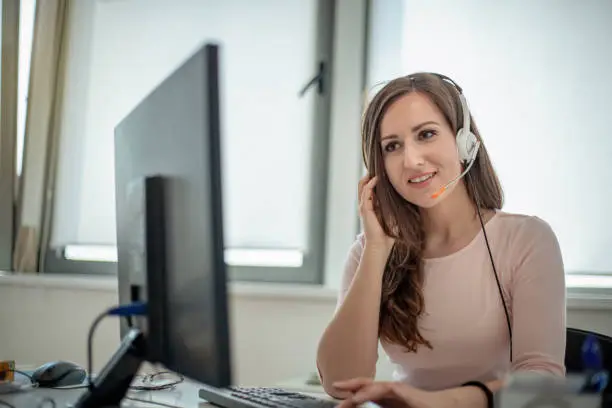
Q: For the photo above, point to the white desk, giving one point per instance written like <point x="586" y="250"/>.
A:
<point x="184" y="395"/>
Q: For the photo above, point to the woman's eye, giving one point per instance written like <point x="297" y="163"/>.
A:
<point x="427" y="134"/>
<point x="390" y="147"/>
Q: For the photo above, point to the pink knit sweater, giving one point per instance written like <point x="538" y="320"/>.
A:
<point x="464" y="318"/>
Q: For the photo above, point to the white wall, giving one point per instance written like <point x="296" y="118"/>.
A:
<point x="275" y="329"/>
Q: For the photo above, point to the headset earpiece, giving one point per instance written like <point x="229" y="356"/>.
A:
<point x="467" y="142"/>
<point x="467" y="145"/>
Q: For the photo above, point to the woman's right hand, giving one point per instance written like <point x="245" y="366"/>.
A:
<point x="375" y="236"/>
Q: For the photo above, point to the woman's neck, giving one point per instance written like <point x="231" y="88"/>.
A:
<point x="451" y="219"/>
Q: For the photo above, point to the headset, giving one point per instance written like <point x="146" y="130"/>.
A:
<point x="467" y="147"/>
<point x="467" y="142"/>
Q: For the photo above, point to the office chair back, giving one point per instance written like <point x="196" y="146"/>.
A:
<point x="573" y="351"/>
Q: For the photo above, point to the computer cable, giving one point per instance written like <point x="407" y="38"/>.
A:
<point x="160" y="404"/>
<point x="28" y="376"/>
<point x="40" y="405"/>
<point x="68" y="387"/>
<point x="6" y="404"/>
<point x="132" y="309"/>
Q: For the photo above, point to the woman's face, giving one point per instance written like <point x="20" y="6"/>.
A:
<point x="419" y="149"/>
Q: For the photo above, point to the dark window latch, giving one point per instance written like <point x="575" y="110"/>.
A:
<point x="316" y="80"/>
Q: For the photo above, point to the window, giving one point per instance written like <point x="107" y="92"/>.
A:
<point x="26" y="30"/>
<point x="535" y="76"/>
<point x="275" y="140"/>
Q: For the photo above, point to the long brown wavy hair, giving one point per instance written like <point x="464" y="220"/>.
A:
<point x="402" y="300"/>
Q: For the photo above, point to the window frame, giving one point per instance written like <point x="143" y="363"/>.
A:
<point x="311" y="271"/>
<point x="9" y="71"/>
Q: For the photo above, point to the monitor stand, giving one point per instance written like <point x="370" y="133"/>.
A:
<point x="113" y="382"/>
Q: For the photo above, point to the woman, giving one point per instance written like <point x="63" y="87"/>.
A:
<point x="427" y="276"/>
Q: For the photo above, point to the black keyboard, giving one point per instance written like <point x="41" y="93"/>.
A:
<point x="242" y="397"/>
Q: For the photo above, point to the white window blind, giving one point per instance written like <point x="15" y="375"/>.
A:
<point x="536" y="76"/>
<point x="120" y="50"/>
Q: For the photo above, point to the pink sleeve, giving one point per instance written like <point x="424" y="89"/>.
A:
<point x="348" y="273"/>
<point x="538" y="301"/>
<point x="350" y="268"/>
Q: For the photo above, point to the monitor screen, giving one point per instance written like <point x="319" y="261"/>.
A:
<point x="169" y="221"/>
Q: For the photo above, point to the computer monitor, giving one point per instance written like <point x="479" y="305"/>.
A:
<point x="170" y="229"/>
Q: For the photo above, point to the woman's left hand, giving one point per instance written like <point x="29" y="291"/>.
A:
<point x="391" y="395"/>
